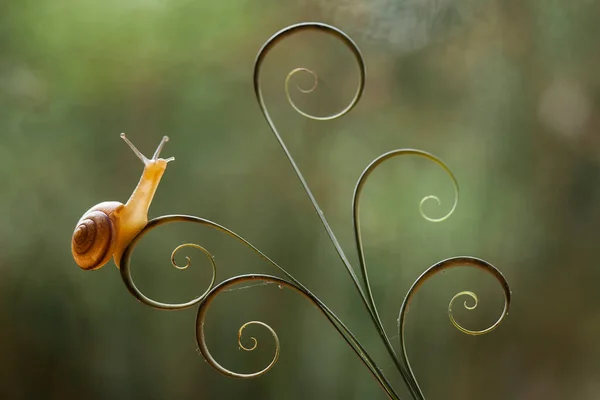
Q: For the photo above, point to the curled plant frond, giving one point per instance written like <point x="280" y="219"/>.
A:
<point x="368" y="298"/>
<point x="255" y="345"/>
<point x="441" y="267"/>
<point x="189" y="260"/>
<point x="125" y="269"/>
<point x="458" y="326"/>
<point x="201" y="319"/>
<point x="406" y="152"/>
<point x="288" y="78"/>
<point x="260" y="58"/>
<point x="358" y="191"/>
<point x="201" y="339"/>
<point x="281" y="35"/>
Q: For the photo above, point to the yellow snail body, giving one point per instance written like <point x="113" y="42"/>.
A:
<point x="106" y="229"/>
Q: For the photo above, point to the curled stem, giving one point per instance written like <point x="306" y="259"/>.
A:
<point x="125" y="271"/>
<point x="255" y="345"/>
<point x="362" y="180"/>
<point x="305" y="91"/>
<point x="278" y="37"/>
<point x="443" y="266"/>
<point x="201" y="338"/>
<point x="189" y="260"/>
<point x="262" y="54"/>
<point x="396" y="153"/>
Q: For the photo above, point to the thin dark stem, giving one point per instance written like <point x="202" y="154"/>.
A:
<point x="443" y="266"/>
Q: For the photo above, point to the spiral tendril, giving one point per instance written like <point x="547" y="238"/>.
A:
<point x="241" y="330"/>
<point x="458" y="326"/>
<point x="305" y="91"/>
<point x="201" y="338"/>
<point x="443" y="266"/>
<point x="275" y="39"/>
<point x="404" y="152"/>
<point x="439" y="203"/>
<point x="362" y="180"/>
<point x="133" y="289"/>
<point x="189" y="260"/>
<point x="295" y="71"/>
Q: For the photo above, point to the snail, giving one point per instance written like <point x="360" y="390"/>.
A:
<point x="106" y="229"/>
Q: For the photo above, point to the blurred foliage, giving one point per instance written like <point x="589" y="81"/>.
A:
<point x="506" y="92"/>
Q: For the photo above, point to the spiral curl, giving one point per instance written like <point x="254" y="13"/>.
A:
<point x="362" y="69"/>
<point x="201" y="319"/>
<point x="189" y="260"/>
<point x="255" y="345"/>
<point x="278" y="37"/>
<point x="404" y="152"/>
<point x="128" y="279"/>
<point x="305" y="91"/>
<point x="288" y="78"/>
<point x="368" y="297"/>
<point x="443" y="266"/>
<point x="362" y="180"/>
<point x="463" y="261"/>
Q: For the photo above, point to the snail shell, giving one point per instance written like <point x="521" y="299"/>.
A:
<point x="95" y="235"/>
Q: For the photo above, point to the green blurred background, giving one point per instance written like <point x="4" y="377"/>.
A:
<point x="507" y="93"/>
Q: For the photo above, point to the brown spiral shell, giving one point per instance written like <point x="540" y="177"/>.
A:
<point x="94" y="239"/>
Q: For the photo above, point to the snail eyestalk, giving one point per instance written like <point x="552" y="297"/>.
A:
<point x="142" y="157"/>
<point x="135" y="150"/>
<point x="164" y="140"/>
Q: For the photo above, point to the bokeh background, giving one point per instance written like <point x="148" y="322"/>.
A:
<point x="506" y="92"/>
